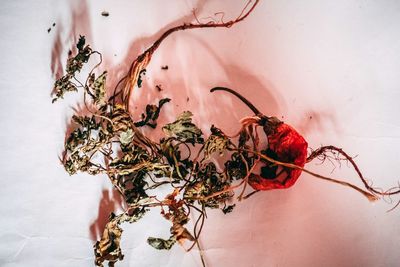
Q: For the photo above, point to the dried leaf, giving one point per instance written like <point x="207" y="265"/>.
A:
<point x="75" y="64"/>
<point x="228" y="209"/>
<point x="181" y="234"/>
<point x="136" y="214"/>
<point x="81" y="42"/>
<point x="216" y="142"/>
<point x="236" y="167"/>
<point x="184" y="130"/>
<point x="108" y="248"/>
<point x="62" y="86"/>
<point x="98" y="87"/>
<point x="152" y="113"/>
<point x="126" y="137"/>
<point x="140" y="81"/>
<point x="67" y="83"/>
<point x="159" y="243"/>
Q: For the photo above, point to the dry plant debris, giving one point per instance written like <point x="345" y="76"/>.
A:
<point x="110" y="141"/>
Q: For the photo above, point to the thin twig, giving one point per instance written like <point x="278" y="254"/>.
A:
<point x="141" y="62"/>
<point x="369" y="195"/>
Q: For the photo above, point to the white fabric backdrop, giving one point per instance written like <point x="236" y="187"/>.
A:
<point x="330" y="69"/>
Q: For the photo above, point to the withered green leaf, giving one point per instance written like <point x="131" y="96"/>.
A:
<point x="135" y="215"/>
<point x="108" y="141"/>
<point x="126" y="136"/>
<point x="82" y="137"/>
<point x="98" y="87"/>
<point x="86" y="121"/>
<point x="152" y="114"/>
<point x="159" y="243"/>
<point x="77" y="163"/>
<point x="236" y="166"/>
<point x="75" y="63"/>
<point x="68" y="82"/>
<point x="184" y="129"/>
<point x="62" y="86"/>
<point x="209" y="181"/>
<point x="216" y="142"/>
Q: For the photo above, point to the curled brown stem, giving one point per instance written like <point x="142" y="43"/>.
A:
<point x="141" y="62"/>
<point x="369" y="195"/>
<point x="326" y="149"/>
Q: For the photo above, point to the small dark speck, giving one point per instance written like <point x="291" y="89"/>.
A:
<point x="164" y="67"/>
<point x="187" y="99"/>
<point x="177" y="105"/>
<point x="310" y="117"/>
<point x="48" y="30"/>
<point x="105" y="14"/>
<point x="54" y="24"/>
<point x="283" y="117"/>
<point x="69" y="52"/>
<point x="115" y="55"/>
<point x="135" y="107"/>
<point x="158" y="86"/>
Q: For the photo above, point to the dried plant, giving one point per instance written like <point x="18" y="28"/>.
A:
<point x="110" y="141"/>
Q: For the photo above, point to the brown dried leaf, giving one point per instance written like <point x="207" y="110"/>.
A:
<point x="108" y="248"/>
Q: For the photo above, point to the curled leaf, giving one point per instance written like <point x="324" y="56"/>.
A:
<point x="98" y="87"/>
<point x="126" y="137"/>
<point x="75" y="63"/>
<point x="184" y="129"/>
<point x="140" y="81"/>
<point x="159" y="243"/>
<point x="67" y="83"/>
<point x="152" y="113"/>
<point x="216" y="142"/>
<point x="62" y="86"/>
<point x="228" y="209"/>
<point x="180" y="233"/>
<point x="108" y="248"/>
